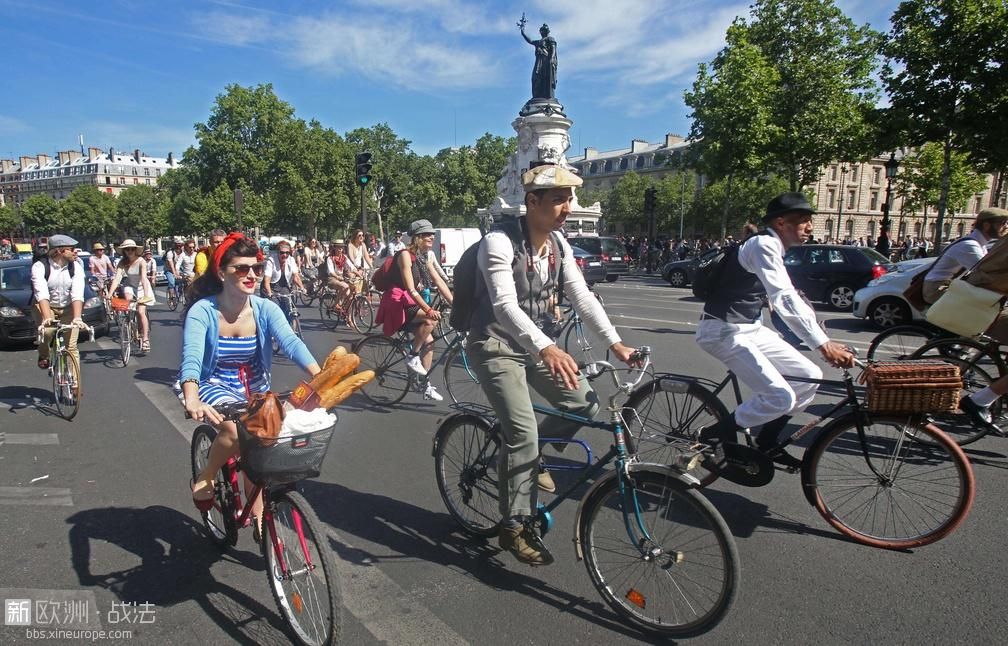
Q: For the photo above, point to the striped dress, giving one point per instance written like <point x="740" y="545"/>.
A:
<point x="225" y="384"/>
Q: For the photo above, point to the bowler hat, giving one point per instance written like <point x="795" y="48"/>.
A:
<point x="787" y="203"/>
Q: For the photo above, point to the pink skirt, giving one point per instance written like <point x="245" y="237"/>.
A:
<point x="392" y="310"/>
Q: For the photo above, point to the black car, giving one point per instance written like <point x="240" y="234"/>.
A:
<point x="17" y="325"/>
<point x="679" y="273"/>
<point x="592" y="267"/>
<point x="832" y="273"/>
<point x="611" y="250"/>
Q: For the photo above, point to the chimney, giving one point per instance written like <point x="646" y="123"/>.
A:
<point x="171" y="162"/>
<point x="136" y="155"/>
<point x="638" y="145"/>
<point x="111" y="154"/>
<point x="6" y="165"/>
<point x="64" y="157"/>
<point x="26" y="162"/>
<point x="591" y="152"/>
<point x="671" y="140"/>
<point x="43" y="159"/>
<point x="93" y="153"/>
<point x="74" y="155"/>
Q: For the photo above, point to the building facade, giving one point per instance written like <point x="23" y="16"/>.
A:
<point x="58" y="176"/>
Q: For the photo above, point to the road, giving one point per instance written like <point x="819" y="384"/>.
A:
<point x="98" y="509"/>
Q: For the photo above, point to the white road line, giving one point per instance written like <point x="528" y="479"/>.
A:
<point x="856" y="343"/>
<point x="29" y="438"/>
<point x="164" y="399"/>
<point x="35" y="496"/>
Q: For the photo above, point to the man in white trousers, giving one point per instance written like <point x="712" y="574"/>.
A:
<point x="731" y="330"/>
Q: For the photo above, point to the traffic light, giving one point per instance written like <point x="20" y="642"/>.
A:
<point x="363" y="169"/>
<point x="649" y="199"/>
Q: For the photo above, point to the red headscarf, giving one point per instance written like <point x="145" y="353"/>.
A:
<point x="228" y="241"/>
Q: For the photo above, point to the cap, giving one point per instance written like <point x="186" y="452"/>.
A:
<point x="549" y="176"/>
<point x="60" y="240"/>
<point x="991" y="213"/>
<point x="787" y="203"/>
<point x="418" y="227"/>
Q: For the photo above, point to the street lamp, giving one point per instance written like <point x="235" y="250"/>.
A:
<point x="891" y="166"/>
<point x="839" y="214"/>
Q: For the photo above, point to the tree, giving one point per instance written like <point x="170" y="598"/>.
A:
<point x="41" y="214"/>
<point x="141" y="211"/>
<point x="10" y="220"/>
<point x="313" y="176"/>
<point x="946" y="80"/>
<point x="625" y="202"/>
<point x="675" y="197"/>
<point x="748" y="204"/>
<point x="393" y="161"/>
<point x="921" y="178"/>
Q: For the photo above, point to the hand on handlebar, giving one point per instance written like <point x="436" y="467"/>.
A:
<point x="201" y="411"/>
<point x="627" y="355"/>
<point x="837" y="354"/>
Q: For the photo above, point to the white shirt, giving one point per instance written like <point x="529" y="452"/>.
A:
<point x="272" y="271"/>
<point x="186" y="264"/>
<point x="60" y="290"/>
<point x="494" y="261"/>
<point x="394" y="247"/>
<point x="764" y="256"/>
<point x="959" y="255"/>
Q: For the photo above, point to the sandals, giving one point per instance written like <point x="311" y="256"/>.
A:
<point x="145" y="345"/>
<point x="203" y="504"/>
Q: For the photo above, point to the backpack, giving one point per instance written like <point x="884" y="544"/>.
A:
<point x="466" y="276"/>
<point x="708" y="272"/>
<point x="381" y="278"/>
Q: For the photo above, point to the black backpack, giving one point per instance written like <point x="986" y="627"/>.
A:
<point x="466" y="276"/>
<point x="708" y="272"/>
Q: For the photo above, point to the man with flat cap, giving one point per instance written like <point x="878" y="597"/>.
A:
<point x="526" y="266"/>
<point x="730" y="329"/>
<point x="58" y="289"/>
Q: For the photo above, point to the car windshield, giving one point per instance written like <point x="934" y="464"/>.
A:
<point x="874" y="256"/>
<point x="15" y="277"/>
<point x="612" y="247"/>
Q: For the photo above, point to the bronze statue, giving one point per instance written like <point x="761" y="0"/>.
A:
<point x="544" y="73"/>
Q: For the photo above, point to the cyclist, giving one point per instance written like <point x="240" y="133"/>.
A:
<point x="170" y="270"/>
<point x="312" y="257"/>
<point x="100" y="265"/>
<point x="337" y="270"/>
<point x="186" y="264"/>
<point x="132" y="275"/>
<point x="965" y="252"/>
<point x="730" y="329"/>
<point x="204" y="255"/>
<point x="58" y="290"/>
<point x="358" y="252"/>
<point x="227" y="348"/>
<point x="522" y="267"/>
<point x="281" y="276"/>
<point x="406" y="303"/>
<point x="148" y="257"/>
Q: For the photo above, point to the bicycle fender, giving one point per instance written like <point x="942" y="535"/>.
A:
<point x="454" y="417"/>
<point x="637" y="467"/>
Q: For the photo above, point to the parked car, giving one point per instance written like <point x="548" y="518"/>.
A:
<point x="611" y="250"/>
<point x="832" y="273"/>
<point x="17" y="325"/>
<point x="679" y="273"/>
<point x="881" y="300"/>
<point x="592" y="266"/>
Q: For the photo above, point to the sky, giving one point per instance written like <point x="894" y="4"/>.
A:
<point x="138" y="74"/>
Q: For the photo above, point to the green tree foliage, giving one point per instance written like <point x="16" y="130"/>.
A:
<point x="10" y="220"/>
<point x="919" y="181"/>
<point x="625" y="201"/>
<point x="141" y="212"/>
<point x="747" y="204"/>
<point x="41" y="215"/>
<point x="314" y="173"/>
<point x="947" y="80"/>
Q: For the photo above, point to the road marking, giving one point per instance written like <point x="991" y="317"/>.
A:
<point x="164" y="399"/>
<point x="29" y="438"/>
<point x="35" y="496"/>
<point x="859" y="344"/>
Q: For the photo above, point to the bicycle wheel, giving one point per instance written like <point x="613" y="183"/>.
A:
<point x="219" y="522"/>
<point x="665" y="416"/>
<point x="327" y="310"/>
<point x="978" y="354"/>
<point x="304" y="297"/>
<point x="461" y="380"/>
<point x="301" y="571"/>
<point x="172" y="299"/>
<point x="387" y="358"/>
<point x="898" y="343"/>
<point x="578" y="345"/>
<point x="679" y="580"/>
<point x="361" y="314"/>
<point x="125" y="339"/>
<point x="466" y="450"/>
<point x="66" y="384"/>
<point x="957" y="425"/>
<point x="893" y="490"/>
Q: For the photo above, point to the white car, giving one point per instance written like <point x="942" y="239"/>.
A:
<point x="881" y="300"/>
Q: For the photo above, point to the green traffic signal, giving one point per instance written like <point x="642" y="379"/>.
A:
<point x="363" y="161"/>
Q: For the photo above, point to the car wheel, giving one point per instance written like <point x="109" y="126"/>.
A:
<point x="612" y="278"/>
<point x="677" y="278"/>
<point x="841" y="297"/>
<point x="887" y="312"/>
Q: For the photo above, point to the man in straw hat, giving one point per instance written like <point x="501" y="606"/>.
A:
<point x="525" y="266"/>
<point x="58" y="289"/>
<point x="100" y="264"/>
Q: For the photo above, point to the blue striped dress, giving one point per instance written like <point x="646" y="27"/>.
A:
<point x="225" y="385"/>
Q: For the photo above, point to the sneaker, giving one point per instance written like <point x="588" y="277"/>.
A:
<point x="979" y="415"/>
<point x="545" y="481"/>
<point x="416" y="366"/>
<point x="432" y="393"/>
<point x="525" y="544"/>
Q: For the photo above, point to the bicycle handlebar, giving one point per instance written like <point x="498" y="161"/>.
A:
<point x="642" y="354"/>
<point x="60" y="328"/>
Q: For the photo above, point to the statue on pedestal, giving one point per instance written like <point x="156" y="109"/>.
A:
<point x="544" y="72"/>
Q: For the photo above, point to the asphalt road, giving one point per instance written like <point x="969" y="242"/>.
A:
<point x="98" y="509"/>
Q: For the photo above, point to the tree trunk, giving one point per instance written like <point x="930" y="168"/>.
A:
<point x="724" y="207"/>
<point x="995" y="196"/>
<point x="945" y="185"/>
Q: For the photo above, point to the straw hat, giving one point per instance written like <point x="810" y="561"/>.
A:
<point x="128" y="243"/>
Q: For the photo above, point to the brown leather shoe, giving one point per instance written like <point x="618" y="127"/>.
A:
<point x="545" y="481"/>
<point x="525" y="544"/>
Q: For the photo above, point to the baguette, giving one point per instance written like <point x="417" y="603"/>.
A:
<point x="344" y="389"/>
<point x="338" y="368"/>
<point x="338" y="351"/>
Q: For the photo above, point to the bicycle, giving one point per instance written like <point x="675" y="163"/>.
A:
<point x="65" y="369"/>
<point x="573" y="333"/>
<point x="129" y="327"/>
<point x="300" y="566"/>
<point x="311" y="283"/>
<point x="858" y="470"/>
<point x="294" y="316"/>
<point x="354" y="309"/>
<point x="176" y="294"/>
<point x="655" y="548"/>
<point x="100" y="286"/>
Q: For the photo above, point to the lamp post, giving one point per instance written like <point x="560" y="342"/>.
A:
<point x="839" y="214"/>
<point x="891" y="167"/>
<point x="682" y="208"/>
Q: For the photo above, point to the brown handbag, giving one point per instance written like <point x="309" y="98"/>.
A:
<point x="914" y="293"/>
<point x="264" y="417"/>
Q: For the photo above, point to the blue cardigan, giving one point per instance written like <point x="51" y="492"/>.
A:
<point x="202" y="328"/>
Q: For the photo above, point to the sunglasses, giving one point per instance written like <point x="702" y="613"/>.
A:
<point x="242" y="270"/>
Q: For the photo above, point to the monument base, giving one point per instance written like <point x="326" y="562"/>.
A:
<point x="546" y="106"/>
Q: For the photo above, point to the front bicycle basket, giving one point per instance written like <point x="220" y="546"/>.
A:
<point x="289" y="459"/>
<point x="120" y="304"/>
<point x="912" y="386"/>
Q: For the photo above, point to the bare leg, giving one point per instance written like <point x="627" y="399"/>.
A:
<point x="224" y="446"/>
<point x="144" y="323"/>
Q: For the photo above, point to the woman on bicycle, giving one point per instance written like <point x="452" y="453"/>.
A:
<point x="132" y="275"/>
<point x="358" y="253"/>
<point x="407" y="301"/>
<point x="227" y="347"/>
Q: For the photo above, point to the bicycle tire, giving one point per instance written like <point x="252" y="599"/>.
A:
<point x="308" y="598"/>
<point x="671" y="408"/>
<point x="388" y="359"/>
<point x="962" y="348"/>
<point x="898" y="342"/>
<point x="172" y="299"/>
<point x="327" y="310"/>
<point x="680" y="583"/>
<point x="580" y="344"/>
<point x="304" y="296"/>
<point x="125" y="339"/>
<point x="460" y="379"/>
<point x="466" y="450"/>
<point x="361" y="314"/>
<point x="957" y="425"/>
<point x="219" y="522"/>
<point x="66" y="384"/>
<point x="839" y="480"/>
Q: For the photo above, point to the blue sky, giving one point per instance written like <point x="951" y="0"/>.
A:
<point x="139" y="74"/>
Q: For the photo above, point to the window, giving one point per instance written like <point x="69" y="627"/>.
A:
<point x="871" y="228"/>
<point x="833" y="170"/>
<point x="960" y="228"/>
<point x="608" y="166"/>
<point x="148" y="181"/>
<point x="829" y="227"/>
<point x="876" y="175"/>
<point x="917" y="229"/>
<point x="136" y="180"/>
<point x="853" y="173"/>
<point x="793" y="258"/>
<point x="902" y="229"/>
<point x="122" y="180"/>
<point x="831" y="199"/>
<point x="873" y="202"/>
<point x="639" y="163"/>
<point x="624" y="163"/>
<point x="850" y="226"/>
<point x="158" y="170"/>
<point x="108" y="180"/>
<point x="108" y="190"/>
<point x="851" y="196"/>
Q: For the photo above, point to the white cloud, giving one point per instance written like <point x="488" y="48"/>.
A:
<point x="12" y="126"/>
<point x="232" y="28"/>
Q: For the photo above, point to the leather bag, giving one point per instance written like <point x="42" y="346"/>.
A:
<point x="264" y="417"/>
<point x="965" y="309"/>
<point x="914" y="293"/>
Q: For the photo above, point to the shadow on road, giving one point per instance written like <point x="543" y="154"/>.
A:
<point x="24" y="397"/>
<point x="175" y="562"/>
<point x="163" y="376"/>
<point x="746" y="517"/>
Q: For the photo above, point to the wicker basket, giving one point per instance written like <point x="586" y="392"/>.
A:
<point x="912" y="386"/>
<point x="289" y="459"/>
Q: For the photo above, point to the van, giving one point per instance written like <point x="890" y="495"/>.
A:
<point x="449" y="243"/>
<point x="611" y="250"/>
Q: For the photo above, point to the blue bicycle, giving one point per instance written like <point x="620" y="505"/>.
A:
<point x="656" y="549"/>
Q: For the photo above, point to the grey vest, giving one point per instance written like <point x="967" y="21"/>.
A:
<point x="534" y="295"/>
